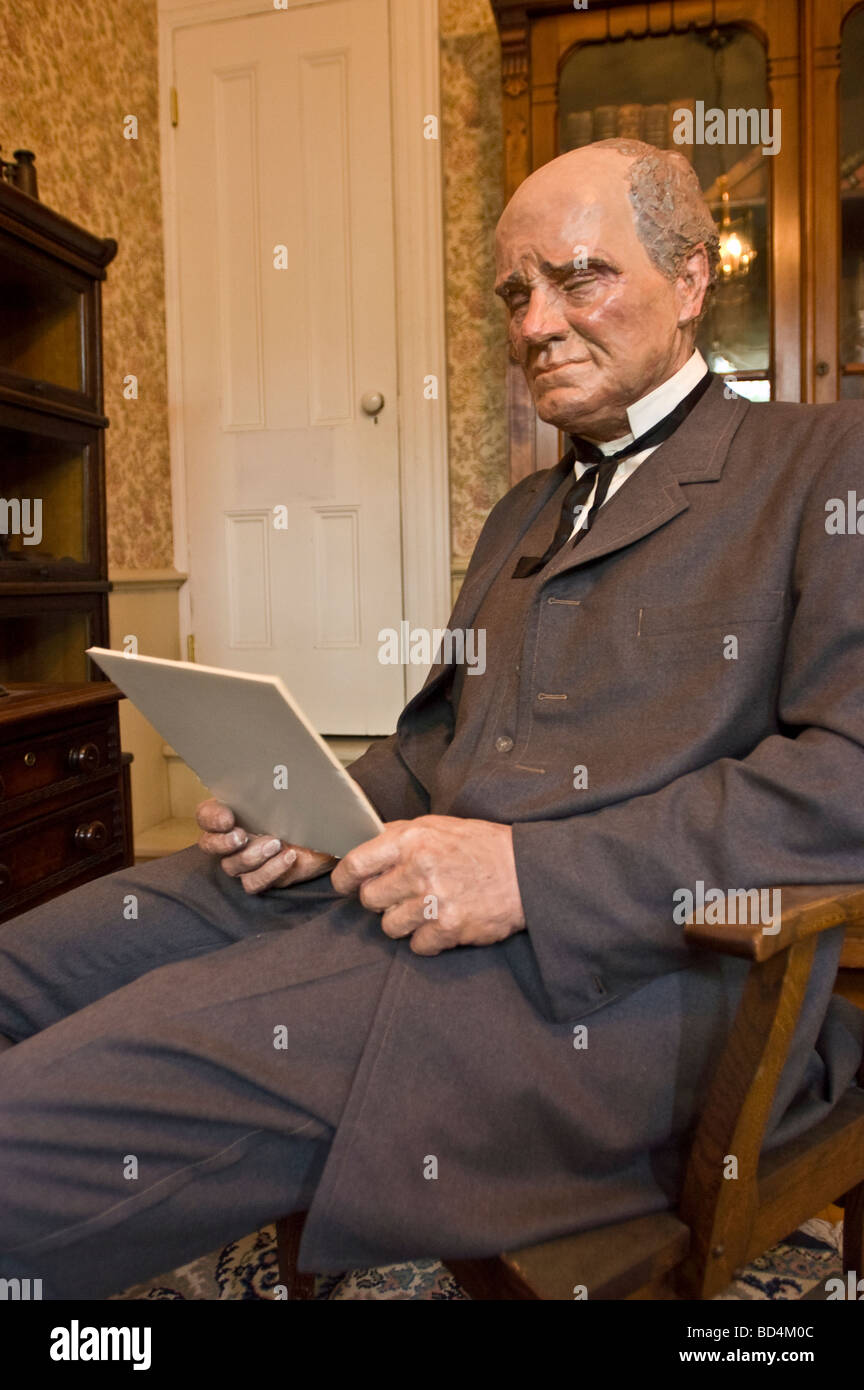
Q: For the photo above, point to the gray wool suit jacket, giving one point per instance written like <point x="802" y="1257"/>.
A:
<point x="734" y="770"/>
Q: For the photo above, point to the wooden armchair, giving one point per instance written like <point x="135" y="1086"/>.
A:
<point x="721" y="1224"/>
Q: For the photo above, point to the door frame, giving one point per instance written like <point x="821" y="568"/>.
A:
<point x="419" y="293"/>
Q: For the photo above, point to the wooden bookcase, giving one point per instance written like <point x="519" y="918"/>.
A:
<point x="64" y="784"/>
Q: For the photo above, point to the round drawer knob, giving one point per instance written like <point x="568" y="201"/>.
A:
<point x="30" y="759"/>
<point x="92" y="835"/>
<point x="84" y="758"/>
<point x="5" y="876"/>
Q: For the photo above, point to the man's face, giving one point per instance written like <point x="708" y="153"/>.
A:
<point x="593" y="323"/>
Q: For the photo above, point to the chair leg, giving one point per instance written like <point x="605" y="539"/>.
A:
<point x="853" y="1218"/>
<point x="289" y="1231"/>
<point x="853" y="1231"/>
<point x="490" y="1279"/>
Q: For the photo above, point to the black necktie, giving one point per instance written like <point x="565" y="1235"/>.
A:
<point x="601" y="469"/>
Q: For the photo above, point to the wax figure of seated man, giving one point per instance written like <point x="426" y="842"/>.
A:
<point x="672" y="697"/>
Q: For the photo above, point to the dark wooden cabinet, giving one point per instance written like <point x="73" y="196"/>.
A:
<point x="64" y="791"/>
<point x="64" y="783"/>
<point x="53" y="562"/>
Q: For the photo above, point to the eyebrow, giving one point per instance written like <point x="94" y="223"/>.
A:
<point x="516" y="281"/>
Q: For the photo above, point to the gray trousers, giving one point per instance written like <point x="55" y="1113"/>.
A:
<point x="176" y="1066"/>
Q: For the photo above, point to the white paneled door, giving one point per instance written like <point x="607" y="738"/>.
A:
<point x="286" y="283"/>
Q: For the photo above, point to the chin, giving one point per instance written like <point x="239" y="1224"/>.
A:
<point x="565" y="409"/>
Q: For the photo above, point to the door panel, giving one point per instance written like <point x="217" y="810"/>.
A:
<point x="285" y="232"/>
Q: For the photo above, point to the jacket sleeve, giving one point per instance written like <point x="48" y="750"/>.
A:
<point x="597" y="888"/>
<point x="387" y="781"/>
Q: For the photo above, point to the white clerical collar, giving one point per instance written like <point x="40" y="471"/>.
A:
<point x="643" y="415"/>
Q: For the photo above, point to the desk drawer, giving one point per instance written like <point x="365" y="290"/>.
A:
<point x="59" y="846"/>
<point x="38" y="765"/>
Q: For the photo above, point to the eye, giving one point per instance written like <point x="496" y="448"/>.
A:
<point x="578" y="282"/>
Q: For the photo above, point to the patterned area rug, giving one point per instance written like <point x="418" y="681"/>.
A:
<point x="248" y="1268"/>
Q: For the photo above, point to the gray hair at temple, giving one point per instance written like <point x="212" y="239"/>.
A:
<point x="671" y="215"/>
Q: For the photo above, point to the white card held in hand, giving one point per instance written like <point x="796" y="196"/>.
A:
<point x="249" y="742"/>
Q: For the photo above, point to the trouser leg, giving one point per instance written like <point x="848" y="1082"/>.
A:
<point x="81" y="946"/>
<point x="187" y="1107"/>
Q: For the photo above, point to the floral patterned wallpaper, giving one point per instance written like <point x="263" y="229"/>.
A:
<point x="473" y="182"/>
<point x="73" y="71"/>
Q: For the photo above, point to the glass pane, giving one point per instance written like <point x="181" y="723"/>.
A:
<point x="44" y="647"/>
<point x="852" y="199"/>
<point x="623" y="88"/>
<point x="41" y="319"/>
<point x="42" y="501"/>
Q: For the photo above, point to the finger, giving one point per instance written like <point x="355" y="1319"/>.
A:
<point x="313" y="859"/>
<point x="403" y="919"/>
<point x="372" y="857"/>
<point x="214" y="815"/>
<point x="256" y="853"/>
<point x="430" y="940"/>
<point x="223" y="844"/>
<point x="386" y="890"/>
<point x="271" y="874"/>
<point x="308" y="864"/>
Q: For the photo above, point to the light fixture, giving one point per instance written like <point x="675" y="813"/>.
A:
<point x="737" y="253"/>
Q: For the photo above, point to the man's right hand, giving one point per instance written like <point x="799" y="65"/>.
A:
<point x="259" y="861"/>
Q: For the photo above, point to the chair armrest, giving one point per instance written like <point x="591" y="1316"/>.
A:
<point x="805" y="910"/>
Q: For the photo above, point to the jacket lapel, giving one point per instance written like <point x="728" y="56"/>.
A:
<point x="478" y="581"/>
<point x="695" y="453"/>
<point x="477" y="585"/>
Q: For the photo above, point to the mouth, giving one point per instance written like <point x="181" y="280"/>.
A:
<point x="560" y="366"/>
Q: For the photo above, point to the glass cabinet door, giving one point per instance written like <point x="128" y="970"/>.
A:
<point x="657" y="87"/>
<point x="49" y="499"/>
<point x="45" y="308"/>
<point x="41" y="643"/>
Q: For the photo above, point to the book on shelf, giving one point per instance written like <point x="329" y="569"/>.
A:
<point x="653" y="123"/>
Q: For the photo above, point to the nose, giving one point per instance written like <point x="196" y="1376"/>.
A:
<point x="543" y="320"/>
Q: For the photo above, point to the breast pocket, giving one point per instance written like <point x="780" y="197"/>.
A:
<point x="727" y="614"/>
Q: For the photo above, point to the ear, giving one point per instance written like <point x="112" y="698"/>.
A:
<point x="691" y="285"/>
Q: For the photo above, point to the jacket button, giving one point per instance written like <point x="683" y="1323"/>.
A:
<point x="503" y="744"/>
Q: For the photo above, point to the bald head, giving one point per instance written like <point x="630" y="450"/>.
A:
<point x="603" y="259"/>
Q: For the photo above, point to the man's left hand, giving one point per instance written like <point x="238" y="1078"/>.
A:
<point x="441" y="880"/>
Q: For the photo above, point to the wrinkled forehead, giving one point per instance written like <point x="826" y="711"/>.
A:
<point x="561" y="208"/>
